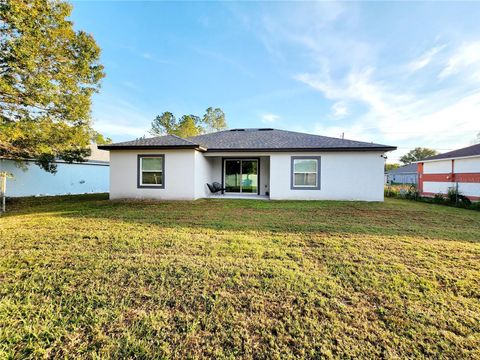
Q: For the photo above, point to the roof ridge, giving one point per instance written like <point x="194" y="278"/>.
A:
<point x="178" y="137"/>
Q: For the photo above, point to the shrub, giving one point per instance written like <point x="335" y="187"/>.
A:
<point x="439" y="198"/>
<point x="452" y="198"/>
<point x="391" y="191"/>
<point x="456" y="198"/>
<point x="412" y="193"/>
<point x="400" y="191"/>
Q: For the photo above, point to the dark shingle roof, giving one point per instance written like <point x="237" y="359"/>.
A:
<point x="405" y="169"/>
<point x="163" y="142"/>
<point x="252" y="140"/>
<point x="466" y="151"/>
<point x="273" y="139"/>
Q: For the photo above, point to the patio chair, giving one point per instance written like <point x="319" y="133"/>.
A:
<point x="215" y="188"/>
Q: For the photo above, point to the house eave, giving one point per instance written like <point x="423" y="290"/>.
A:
<point x="381" y="149"/>
<point x="214" y="150"/>
<point x="152" y="147"/>
<point x="448" y="158"/>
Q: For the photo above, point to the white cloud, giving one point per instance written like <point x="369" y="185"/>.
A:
<point x="150" y="57"/>
<point x="382" y="105"/>
<point x="119" y="119"/>
<point x="270" y="118"/>
<point x="112" y="129"/>
<point x="442" y="119"/>
<point x="339" y="109"/>
<point x="466" y="55"/>
<point x="425" y="59"/>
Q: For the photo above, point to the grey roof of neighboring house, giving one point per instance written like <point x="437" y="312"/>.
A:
<point x="405" y="169"/>
<point x="253" y="140"/>
<point x="463" y="152"/>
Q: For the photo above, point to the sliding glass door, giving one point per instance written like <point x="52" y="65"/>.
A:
<point x="241" y="176"/>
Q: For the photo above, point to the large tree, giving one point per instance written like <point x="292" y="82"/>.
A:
<point x="476" y="140"/>
<point x="189" y="125"/>
<point x="417" y="154"/>
<point x="389" y="167"/>
<point x="99" y="139"/>
<point x="48" y="72"/>
<point x="214" y="120"/>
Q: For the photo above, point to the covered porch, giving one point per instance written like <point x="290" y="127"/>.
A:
<point x="242" y="176"/>
<point x="238" y="196"/>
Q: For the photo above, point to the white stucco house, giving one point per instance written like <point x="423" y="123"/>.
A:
<point x="254" y="163"/>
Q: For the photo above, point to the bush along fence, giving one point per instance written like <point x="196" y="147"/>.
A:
<point x="452" y="198"/>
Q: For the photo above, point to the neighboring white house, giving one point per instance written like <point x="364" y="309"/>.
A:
<point x="455" y="168"/>
<point x="75" y="178"/>
<point x="406" y="174"/>
<point x="265" y="163"/>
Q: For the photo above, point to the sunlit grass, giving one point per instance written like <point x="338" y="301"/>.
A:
<point x="86" y="277"/>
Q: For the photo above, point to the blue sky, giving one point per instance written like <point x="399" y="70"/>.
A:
<point x="398" y="73"/>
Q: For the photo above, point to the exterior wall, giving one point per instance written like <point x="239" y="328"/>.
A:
<point x="264" y="175"/>
<point x="436" y="187"/>
<point x="179" y="177"/>
<point x="69" y="179"/>
<point x="471" y="165"/>
<point x="203" y="174"/>
<point x="216" y="175"/>
<point x="441" y="175"/>
<point x="405" y="178"/>
<point x="438" y="167"/>
<point x="467" y="189"/>
<point x="343" y="176"/>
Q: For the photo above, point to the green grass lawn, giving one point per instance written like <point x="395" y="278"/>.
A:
<point x="82" y="276"/>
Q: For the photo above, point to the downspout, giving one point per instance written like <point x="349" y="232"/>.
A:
<point x="453" y="170"/>
<point x="454" y="183"/>
<point x="420" y="177"/>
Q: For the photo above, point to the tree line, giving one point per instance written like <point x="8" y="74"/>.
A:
<point x="189" y="125"/>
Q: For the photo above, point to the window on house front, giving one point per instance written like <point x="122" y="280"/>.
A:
<point x="305" y="172"/>
<point x="151" y="171"/>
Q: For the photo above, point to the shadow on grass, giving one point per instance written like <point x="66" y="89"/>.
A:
<point x="392" y="218"/>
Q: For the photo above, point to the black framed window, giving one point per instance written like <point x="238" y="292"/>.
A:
<point x="305" y="173"/>
<point x="151" y="171"/>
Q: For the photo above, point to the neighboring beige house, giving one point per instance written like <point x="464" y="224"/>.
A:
<point x="253" y="163"/>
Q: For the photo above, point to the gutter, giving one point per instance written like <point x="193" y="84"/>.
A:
<point x="151" y="147"/>
<point x="386" y="148"/>
<point x="210" y="150"/>
<point x="448" y="158"/>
